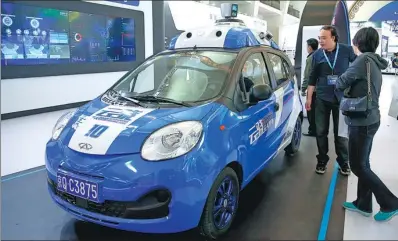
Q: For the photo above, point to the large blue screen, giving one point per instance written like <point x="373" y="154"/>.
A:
<point x="33" y="35"/>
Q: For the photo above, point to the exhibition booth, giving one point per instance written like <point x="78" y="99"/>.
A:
<point x="95" y="159"/>
<point x="386" y="19"/>
<point x="388" y="35"/>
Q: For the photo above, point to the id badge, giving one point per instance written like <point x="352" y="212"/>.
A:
<point x="332" y="79"/>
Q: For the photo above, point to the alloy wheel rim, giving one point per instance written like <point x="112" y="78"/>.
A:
<point x="225" y="203"/>
<point x="297" y="133"/>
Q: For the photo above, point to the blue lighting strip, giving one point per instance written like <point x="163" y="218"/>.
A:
<point x="14" y="176"/>
<point x="328" y="205"/>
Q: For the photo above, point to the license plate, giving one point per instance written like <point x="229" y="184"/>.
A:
<point x="77" y="187"/>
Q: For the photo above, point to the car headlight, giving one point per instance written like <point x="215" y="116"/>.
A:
<point x="61" y="123"/>
<point x="172" y="141"/>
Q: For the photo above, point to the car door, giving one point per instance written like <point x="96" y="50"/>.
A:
<point x="283" y="77"/>
<point x="256" y="125"/>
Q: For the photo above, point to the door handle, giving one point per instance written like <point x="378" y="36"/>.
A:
<point x="276" y="107"/>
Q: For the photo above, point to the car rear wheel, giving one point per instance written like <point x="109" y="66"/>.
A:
<point x="294" y="145"/>
<point x="221" y="205"/>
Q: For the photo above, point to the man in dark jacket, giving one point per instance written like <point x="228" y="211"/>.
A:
<point x="328" y="63"/>
<point x="312" y="46"/>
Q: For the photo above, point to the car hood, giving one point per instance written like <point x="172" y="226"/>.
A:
<point x="99" y="128"/>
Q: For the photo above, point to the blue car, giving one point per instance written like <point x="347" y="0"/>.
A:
<point x="170" y="150"/>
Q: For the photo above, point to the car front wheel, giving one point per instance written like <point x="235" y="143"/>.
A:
<point x="294" y="145"/>
<point x="221" y="205"/>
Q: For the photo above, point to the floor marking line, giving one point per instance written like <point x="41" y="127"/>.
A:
<point x="328" y="205"/>
<point x="22" y="175"/>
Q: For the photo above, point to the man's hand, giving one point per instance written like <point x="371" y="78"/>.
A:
<point x="310" y="92"/>
<point x="308" y="104"/>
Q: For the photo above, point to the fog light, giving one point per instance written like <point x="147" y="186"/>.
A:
<point x="162" y="196"/>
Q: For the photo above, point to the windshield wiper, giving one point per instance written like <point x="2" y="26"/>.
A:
<point x="160" y="99"/>
<point x="135" y="101"/>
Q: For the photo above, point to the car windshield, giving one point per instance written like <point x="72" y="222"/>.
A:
<point x="188" y="76"/>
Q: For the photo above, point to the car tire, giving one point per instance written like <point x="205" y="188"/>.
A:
<point x="294" y="145"/>
<point x="210" y="226"/>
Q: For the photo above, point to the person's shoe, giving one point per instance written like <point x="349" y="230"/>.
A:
<point x="345" y="170"/>
<point x="385" y="216"/>
<point x="309" y="134"/>
<point x="320" y="168"/>
<point x="351" y="207"/>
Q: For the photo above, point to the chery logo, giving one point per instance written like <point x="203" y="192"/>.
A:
<point x="85" y="146"/>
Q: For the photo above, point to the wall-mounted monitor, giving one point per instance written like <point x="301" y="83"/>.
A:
<point x="38" y="36"/>
<point x="35" y="35"/>
<point x="126" y="2"/>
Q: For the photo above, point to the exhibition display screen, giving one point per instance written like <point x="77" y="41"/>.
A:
<point x="33" y="35"/>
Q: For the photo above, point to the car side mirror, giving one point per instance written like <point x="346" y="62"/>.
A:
<point x="260" y="92"/>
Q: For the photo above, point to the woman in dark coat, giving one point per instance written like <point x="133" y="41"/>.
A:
<point x="363" y="129"/>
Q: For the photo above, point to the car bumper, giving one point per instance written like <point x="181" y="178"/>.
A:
<point x="124" y="204"/>
<point x="168" y="224"/>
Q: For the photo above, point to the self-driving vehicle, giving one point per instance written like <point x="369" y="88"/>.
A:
<point x="170" y="146"/>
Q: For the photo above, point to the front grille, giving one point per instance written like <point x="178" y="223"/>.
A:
<point x="108" y="208"/>
<point x="117" y="209"/>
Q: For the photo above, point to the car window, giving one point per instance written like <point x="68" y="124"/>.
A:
<point x="255" y="71"/>
<point x="278" y="65"/>
<point x="287" y="68"/>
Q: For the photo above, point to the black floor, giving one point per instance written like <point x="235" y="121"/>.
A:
<point x="286" y="201"/>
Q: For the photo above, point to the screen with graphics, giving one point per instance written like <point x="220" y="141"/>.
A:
<point x="44" y="34"/>
<point x="34" y="35"/>
<point x="87" y="37"/>
<point x="12" y="44"/>
<point x="121" y="39"/>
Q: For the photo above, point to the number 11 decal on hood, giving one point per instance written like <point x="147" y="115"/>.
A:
<point x="95" y="134"/>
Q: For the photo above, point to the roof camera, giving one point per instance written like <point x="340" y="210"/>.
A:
<point x="268" y="35"/>
<point x="229" y="10"/>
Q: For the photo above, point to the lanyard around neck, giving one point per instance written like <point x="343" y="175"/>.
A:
<point x="335" y="57"/>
